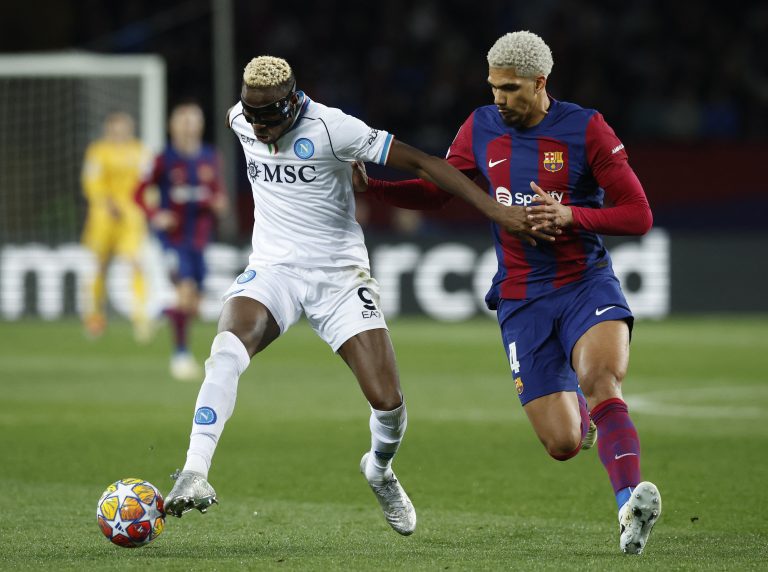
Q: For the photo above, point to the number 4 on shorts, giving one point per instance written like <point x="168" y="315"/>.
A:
<point x="513" y="363"/>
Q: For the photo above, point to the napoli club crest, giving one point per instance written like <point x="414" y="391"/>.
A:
<point x="205" y="416"/>
<point x="246" y="276"/>
<point x="553" y="161"/>
<point x="304" y="148"/>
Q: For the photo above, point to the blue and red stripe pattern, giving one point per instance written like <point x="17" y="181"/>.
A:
<point x="618" y="445"/>
<point x="186" y="186"/>
<point x="559" y="154"/>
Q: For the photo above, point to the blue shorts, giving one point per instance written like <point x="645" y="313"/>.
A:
<point x="539" y="334"/>
<point x="187" y="264"/>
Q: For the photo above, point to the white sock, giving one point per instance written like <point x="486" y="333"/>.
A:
<point x="387" y="430"/>
<point x="216" y="399"/>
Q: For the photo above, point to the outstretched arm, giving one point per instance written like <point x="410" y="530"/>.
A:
<point x="449" y="179"/>
<point x="415" y="194"/>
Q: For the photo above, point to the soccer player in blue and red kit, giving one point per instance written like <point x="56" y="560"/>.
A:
<point x="565" y="323"/>
<point x="189" y="195"/>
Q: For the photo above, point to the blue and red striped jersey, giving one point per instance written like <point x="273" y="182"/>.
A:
<point x="573" y="155"/>
<point x="187" y="187"/>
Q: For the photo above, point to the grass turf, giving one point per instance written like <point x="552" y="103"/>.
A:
<point x="77" y="415"/>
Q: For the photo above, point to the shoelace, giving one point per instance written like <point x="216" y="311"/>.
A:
<point x="390" y="491"/>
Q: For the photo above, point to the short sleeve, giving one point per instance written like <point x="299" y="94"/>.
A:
<point x="353" y="140"/>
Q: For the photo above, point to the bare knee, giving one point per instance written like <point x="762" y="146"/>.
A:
<point x="251" y="322"/>
<point x="248" y="329"/>
<point x="599" y="384"/>
<point x="251" y="333"/>
<point x="565" y="446"/>
<point x="382" y="387"/>
<point x="385" y="400"/>
<point x="371" y="358"/>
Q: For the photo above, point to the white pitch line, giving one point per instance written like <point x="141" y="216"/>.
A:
<point x="736" y="402"/>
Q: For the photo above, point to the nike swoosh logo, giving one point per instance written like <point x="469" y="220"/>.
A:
<point x="599" y="312"/>
<point x="492" y="163"/>
<point x="617" y="457"/>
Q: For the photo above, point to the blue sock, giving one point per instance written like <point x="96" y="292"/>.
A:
<point x="623" y="496"/>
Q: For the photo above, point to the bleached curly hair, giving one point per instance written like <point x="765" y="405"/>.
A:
<point x="524" y="51"/>
<point x="268" y="71"/>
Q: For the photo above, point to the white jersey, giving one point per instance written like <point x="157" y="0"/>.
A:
<point x="304" y="207"/>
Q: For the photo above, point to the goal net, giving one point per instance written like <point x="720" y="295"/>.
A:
<point x="52" y="105"/>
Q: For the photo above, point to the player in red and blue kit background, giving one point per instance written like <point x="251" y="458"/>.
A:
<point x="565" y="323"/>
<point x="182" y="210"/>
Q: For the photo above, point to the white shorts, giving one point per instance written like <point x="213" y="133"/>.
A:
<point x="338" y="302"/>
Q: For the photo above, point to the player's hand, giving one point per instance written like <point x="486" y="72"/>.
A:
<point x="219" y="204"/>
<point x="359" y="177"/>
<point x="515" y="221"/>
<point x="548" y="215"/>
<point x="164" y="220"/>
<point x="113" y="209"/>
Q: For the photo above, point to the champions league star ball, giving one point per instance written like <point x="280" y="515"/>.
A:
<point x="130" y="513"/>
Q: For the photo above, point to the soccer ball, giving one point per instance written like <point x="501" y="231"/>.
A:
<point x="131" y="513"/>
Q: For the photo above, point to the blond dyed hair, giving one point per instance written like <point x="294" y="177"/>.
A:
<point x="268" y="71"/>
<point x="524" y="51"/>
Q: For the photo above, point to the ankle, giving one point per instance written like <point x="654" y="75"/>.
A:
<point x="376" y="472"/>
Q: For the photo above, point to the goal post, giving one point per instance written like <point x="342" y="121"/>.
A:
<point x="52" y="106"/>
<point x="148" y="69"/>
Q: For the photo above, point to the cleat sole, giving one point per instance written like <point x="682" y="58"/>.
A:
<point x="645" y="506"/>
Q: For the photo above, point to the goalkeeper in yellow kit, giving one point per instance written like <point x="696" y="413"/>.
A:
<point x="115" y="225"/>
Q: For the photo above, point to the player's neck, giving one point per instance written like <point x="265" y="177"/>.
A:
<point x="188" y="148"/>
<point x="540" y="110"/>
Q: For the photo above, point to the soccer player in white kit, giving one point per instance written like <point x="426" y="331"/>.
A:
<point x="309" y="257"/>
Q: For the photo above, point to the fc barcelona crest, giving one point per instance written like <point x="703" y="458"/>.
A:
<point x="553" y="161"/>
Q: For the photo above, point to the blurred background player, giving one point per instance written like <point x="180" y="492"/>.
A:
<point x="182" y="196"/>
<point x="115" y="225"/>
<point x="565" y="323"/>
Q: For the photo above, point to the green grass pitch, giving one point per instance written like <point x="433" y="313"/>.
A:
<point x="77" y="415"/>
